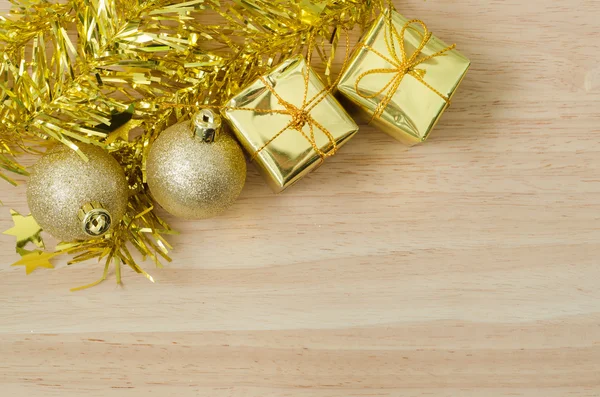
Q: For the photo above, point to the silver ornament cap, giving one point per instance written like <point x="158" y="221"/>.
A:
<point x="95" y="220"/>
<point x="206" y="125"/>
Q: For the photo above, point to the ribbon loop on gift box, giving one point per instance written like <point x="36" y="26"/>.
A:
<point x="401" y="63"/>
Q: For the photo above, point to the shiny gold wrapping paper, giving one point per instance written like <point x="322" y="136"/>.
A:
<point x="290" y="156"/>
<point x="414" y="109"/>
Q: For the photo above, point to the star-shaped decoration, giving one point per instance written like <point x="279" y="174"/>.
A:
<point x="34" y="259"/>
<point x="122" y="132"/>
<point x="26" y="230"/>
<point x="120" y="125"/>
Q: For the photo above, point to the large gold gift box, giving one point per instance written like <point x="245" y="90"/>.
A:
<point x="288" y="122"/>
<point x="402" y="78"/>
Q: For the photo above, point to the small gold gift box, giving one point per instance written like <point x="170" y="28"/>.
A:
<point x="402" y="78"/>
<point x="289" y="122"/>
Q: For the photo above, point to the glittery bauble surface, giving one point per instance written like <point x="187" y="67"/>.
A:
<point x="62" y="182"/>
<point x="195" y="179"/>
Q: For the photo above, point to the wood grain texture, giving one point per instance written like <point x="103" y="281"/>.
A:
<point x="468" y="266"/>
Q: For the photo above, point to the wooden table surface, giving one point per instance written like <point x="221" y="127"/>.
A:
<point x="468" y="266"/>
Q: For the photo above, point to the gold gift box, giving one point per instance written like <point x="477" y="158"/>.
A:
<point x="286" y="135"/>
<point x="422" y="88"/>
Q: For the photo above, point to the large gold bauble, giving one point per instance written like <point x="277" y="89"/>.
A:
<point x="77" y="200"/>
<point x="192" y="177"/>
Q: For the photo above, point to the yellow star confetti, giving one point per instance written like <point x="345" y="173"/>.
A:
<point x="34" y="259"/>
<point x="123" y="131"/>
<point x="26" y="230"/>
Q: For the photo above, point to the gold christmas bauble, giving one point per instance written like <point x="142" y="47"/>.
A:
<point x="194" y="170"/>
<point x="77" y="200"/>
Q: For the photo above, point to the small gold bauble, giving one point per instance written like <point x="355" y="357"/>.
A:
<point x="77" y="200"/>
<point x="194" y="170"/>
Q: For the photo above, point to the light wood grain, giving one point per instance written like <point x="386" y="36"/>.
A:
<point x="468" y="266"/>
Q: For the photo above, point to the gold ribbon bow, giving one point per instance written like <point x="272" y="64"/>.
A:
<point x="402" y="64"/>
<point x="300" y="117"/>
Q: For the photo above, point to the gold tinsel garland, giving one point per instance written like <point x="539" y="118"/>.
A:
<point x="70" y="69"/>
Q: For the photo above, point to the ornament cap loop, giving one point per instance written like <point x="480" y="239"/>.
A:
<point x="95" y="220"/>
<point x="206" y="125"/>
